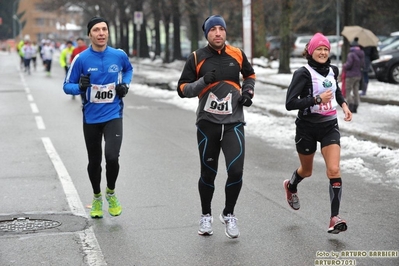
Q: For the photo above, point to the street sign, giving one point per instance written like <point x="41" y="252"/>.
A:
<point x="138" y="18"/>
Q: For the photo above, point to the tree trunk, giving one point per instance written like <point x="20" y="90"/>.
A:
<point x="176" y="30"/>
<point x="285" y="35"/>
<point x="155" y="6"/>
<point x="144" y="51"/>
<point x="193" y="14"/>
<point x="348" y="20"/>
<point x="166" y="15"/>
<point x="259" y="28"/>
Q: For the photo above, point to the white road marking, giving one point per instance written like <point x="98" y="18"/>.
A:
<point x="91" y="248"/>
<point x="34" y="108"/>
<point x="40" y="122"/>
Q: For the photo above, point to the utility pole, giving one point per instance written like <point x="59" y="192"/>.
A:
<point x="338" y="33"/>
<point x="247" y="39"/>
<point x="16" y="18"/>
<point x="14" y="12"/>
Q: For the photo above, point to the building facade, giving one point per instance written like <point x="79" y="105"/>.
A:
<point x="62" y="24"/>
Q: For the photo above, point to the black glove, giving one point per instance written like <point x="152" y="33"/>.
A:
<point x="210" y="77"/>
<point x="84" y="82"/>
<point x="245" y="99"/>
<point x="121" y="90"/>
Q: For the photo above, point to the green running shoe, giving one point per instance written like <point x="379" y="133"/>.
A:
<point x="115" y="208"/>
<point x="97" y="208"/>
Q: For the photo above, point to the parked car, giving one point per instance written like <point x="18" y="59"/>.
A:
<point x="392" y="46"/>
<point x="300" y="44"/>
<point x="273" y="47"/>
<point x="386" y="68"/>
<point x="394" y="36"/>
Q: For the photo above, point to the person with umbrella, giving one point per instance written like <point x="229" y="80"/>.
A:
<point x="353" y="68"/>
<point x="368" y="41"/>
<point x="370" y="54"/>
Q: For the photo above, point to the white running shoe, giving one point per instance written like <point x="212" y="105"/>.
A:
<point x="230" y="221"/>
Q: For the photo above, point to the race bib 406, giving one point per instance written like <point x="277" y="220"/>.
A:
<point x="102" y="93"/>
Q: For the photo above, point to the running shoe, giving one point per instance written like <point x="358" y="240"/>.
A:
<point x="205" y="225"/>
<point x="337" y="225"/>
<point x="115" y="207"/>
<point x="230" y="221"/>
<point x="292" y="198"/>
<point x="97" y="208"/>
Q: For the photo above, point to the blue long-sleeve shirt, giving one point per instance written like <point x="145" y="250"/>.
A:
<point x="107" y="69"/>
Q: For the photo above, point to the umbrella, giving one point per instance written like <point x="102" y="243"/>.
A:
<point x="366" y="37"/>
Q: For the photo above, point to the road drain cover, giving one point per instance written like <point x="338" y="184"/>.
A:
<point x="23" y="224"/>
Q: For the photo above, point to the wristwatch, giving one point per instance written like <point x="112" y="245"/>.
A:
<point x="318" y="99"/>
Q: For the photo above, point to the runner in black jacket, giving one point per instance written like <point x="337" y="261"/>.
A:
<point x="212" y="74"/>
<point x="315" y="93"/>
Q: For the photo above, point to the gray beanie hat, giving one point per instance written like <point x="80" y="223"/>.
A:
<point x="213" y="21"/>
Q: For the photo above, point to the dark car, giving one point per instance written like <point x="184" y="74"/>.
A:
<point x="273" y="47"/>
<point x="386" y="68"/>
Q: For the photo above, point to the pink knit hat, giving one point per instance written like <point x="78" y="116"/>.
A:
<point x="318" y="40"/>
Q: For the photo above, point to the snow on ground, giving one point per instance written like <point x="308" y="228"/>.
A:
<point x="358" y="156"/>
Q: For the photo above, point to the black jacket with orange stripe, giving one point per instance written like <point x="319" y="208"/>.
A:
<point x="218" y="101"/>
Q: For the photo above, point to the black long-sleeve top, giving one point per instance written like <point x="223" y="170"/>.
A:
<point x="300" y="94"/>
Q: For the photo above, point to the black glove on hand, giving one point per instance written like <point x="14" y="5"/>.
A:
<point x="245" y="99"/>
<point x="84" y="82"/>
<point x="210" y="77"/>
<point x="121" y="90"/>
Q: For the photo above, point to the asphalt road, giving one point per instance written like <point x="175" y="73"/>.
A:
<point x="43" y="177"/>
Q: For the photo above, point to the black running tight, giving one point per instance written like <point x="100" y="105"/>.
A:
<point x="230" y="139"/>
<point x="93" y="133"/>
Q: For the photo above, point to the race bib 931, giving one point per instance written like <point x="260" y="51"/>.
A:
<point x="218" y="106"/>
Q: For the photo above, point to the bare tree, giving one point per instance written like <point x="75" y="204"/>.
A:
<point x="156" y="11"/>
<point x="193" y="9"/>
<point x="285" y="35"/>
<point x="259" y="28"/>
<point x="167" y="14"/>
<point x="176" y="29"/>
<point x="348" y="19"/>
<point x="306" y="17"/>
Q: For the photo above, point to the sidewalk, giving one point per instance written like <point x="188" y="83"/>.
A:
<point x="377" y="119"/>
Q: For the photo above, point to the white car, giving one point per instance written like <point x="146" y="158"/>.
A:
<point x="300" y="44"/>
<point x="336" y="43"/>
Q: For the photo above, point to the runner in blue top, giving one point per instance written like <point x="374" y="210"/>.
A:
<point x="101" y="75"/>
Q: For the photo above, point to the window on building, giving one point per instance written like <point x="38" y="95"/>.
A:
<point x="40" y="22"/>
